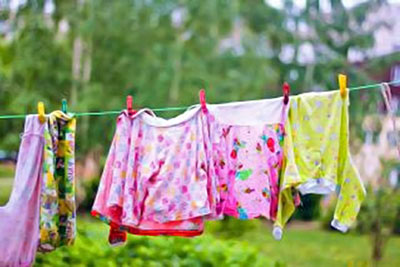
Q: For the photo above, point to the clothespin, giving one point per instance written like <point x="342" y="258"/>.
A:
<point x="202" y="96"/>
<point x="64" y="105"/>
<point x="129" y="108"/>
<point x="286" y="92"/>
<point x="342" y="85"/>
<point x="42" y="117"/>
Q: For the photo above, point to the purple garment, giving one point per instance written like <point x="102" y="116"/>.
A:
<point x="19" y="218"/>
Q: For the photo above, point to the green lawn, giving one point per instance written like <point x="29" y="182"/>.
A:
<point x="7" y="170"/>
<point x="251" y="240"/>
<point x="6" y="182"/>
<point x="5" y="189"/>
<point x="321" y="248"/>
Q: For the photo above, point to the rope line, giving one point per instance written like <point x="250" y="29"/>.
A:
<point x="116" y="112"/>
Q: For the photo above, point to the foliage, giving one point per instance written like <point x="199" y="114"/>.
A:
<point x="88" y="190"/>
<point x="378" y="217"/>
<point x="299" y="247"/>
<point x="91" y="250"/>
<point x="327" y="215"/>
<point x="94" y="53"/>
<point x="309" y="209"/>
<point x="379" y="213"/>
<point x="232" y="227"/>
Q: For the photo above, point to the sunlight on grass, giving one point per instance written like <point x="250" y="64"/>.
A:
<point x="314" y="247"/>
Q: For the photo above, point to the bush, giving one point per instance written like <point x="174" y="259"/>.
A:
<point x="328" y="214"/>
<point x="309" y="209"/>
<point x="88" y="193"/>
<point x="91" y="249"/>
<point x="231" y="227"/>
<point x="396" y="228"/>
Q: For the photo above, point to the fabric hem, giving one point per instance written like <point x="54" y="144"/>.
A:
<point x="317" y="186"/>
<point x="277" y="233"/>
<point x="136" y="231"/>
<point x="339" y="226"/>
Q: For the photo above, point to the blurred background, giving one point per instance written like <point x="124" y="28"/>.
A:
<point x="95" y="53"/>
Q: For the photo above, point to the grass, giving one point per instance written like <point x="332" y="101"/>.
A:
<point x="7" y="170"/>
<point x="314" y="247"/>
<point x="6" y="182"/>
<point x="5" y="189"/>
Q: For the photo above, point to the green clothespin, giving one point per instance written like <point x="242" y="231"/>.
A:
<point x="64" y="105"/>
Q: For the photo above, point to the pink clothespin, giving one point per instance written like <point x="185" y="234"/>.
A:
<point x="202" y="96"/>
<point x="129" y="101"/>
<point x="286" y="92"/>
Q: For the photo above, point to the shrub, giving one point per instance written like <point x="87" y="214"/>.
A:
<point x="327" y="215"/>
<point x="310" y="209"/>
<point x="232" y="227"/>
<point x="91" y="249"/>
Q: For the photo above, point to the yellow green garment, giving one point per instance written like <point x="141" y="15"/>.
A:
<point x="57" y="210"/>
<point x="317" y="158"/>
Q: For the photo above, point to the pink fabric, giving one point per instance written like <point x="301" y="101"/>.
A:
<point x="19" y="218"/>
<point x="248" y="159"/>
<point x="157" y="175"/>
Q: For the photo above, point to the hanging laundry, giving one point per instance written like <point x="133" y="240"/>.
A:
<point x="58" y="208"/>
<point x="156" y="179"/>
<point x="387" y="97"/>
<point x="19" y="218"/>
<point x="317" y="157"/>
<point x="247" y="141"/>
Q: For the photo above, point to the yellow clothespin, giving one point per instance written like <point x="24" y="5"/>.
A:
<point x="42" y="117"/>
<point x="342" y="85"/>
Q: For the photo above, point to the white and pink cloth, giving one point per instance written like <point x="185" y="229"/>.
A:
<point x="165" y="177"/>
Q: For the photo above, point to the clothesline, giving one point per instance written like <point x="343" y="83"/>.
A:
<point x="116" y="112"/>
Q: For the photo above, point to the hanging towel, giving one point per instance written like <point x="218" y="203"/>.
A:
<point x="317" y="157"/>
<point x="58" y="208"/>
<point x="19" y="218"/>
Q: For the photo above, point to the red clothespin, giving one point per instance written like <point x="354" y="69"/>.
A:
<point x="202" y="96"/>
<point x="286" y="92"/>
<point x="129" y="101"/>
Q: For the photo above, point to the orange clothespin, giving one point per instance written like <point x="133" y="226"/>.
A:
<point x="42" y="116"/>
<point x="342" y="85"/>
<point x="129" y="101"/>
<point x="202" y="96"/>
<point x="286" y="92"/>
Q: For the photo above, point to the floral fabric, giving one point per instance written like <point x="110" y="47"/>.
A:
<point x="156" y="178"/>
<point x="251" y="159"/>
<point x="57" y="211"/>
<point x="248" y="156"/>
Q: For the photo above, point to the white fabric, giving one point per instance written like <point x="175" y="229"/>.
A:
<point x="317" y="186"/>
<point x="248" y="113"/>
<point x="337" y="225"/>
<point x="153" y="120"/>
